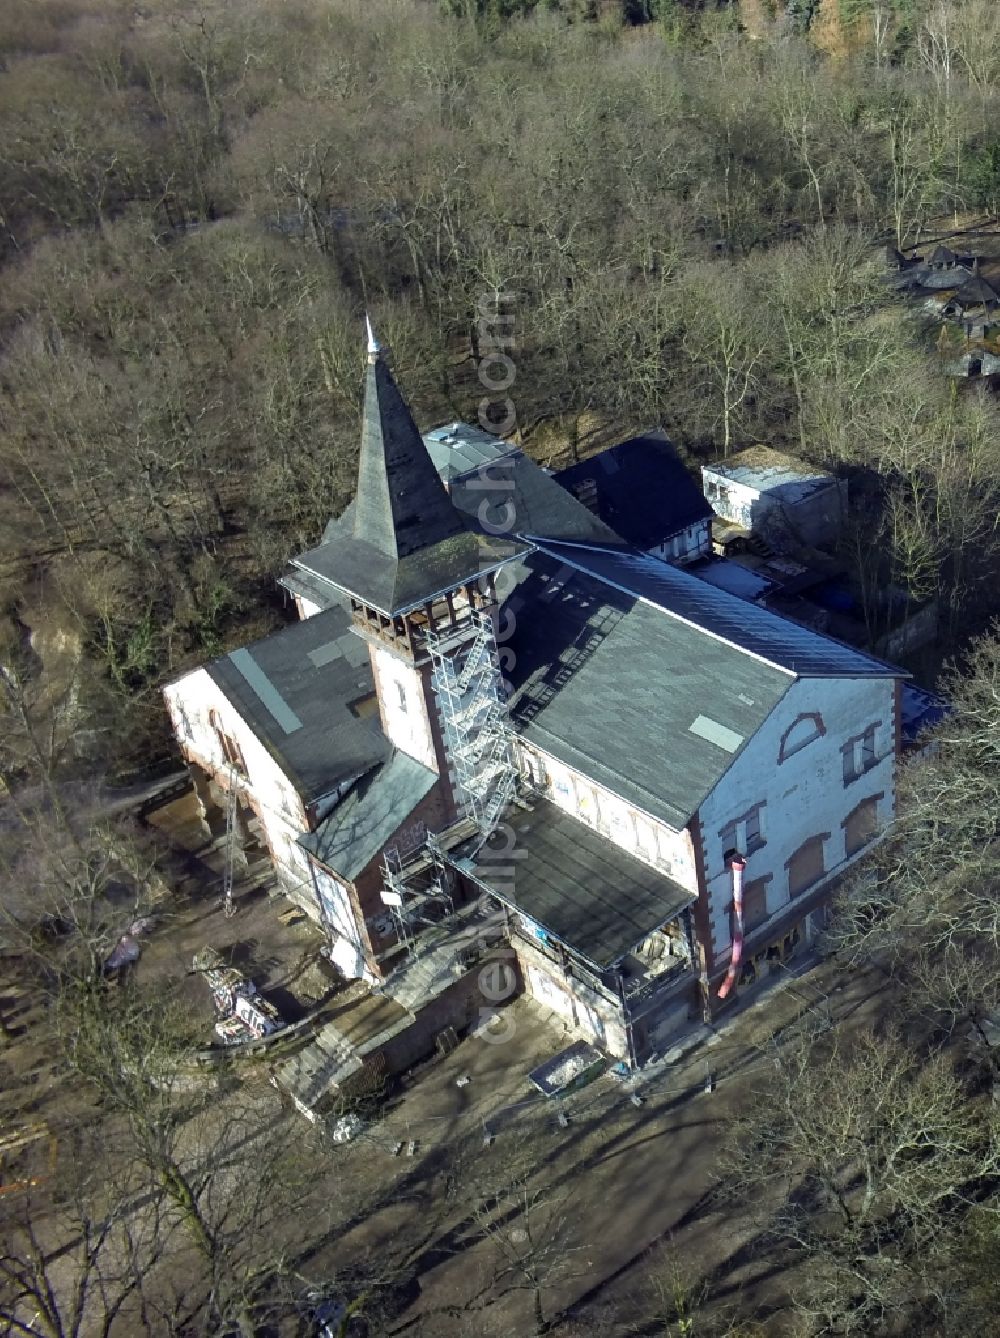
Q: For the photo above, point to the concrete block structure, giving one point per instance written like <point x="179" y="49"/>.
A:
<point x="777" y="497"/>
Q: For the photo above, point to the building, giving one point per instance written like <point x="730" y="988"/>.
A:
<point x="962" y="292"/>
<point x="767" y="492"/>
<point x="643" y="491"/>
<point x="498" y="716"/>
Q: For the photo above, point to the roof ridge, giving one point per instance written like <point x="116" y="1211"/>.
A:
<point x="721" y="596"/>
<point x="545" y="544"/>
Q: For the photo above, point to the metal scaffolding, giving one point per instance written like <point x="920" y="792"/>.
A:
<point x="417" y="880"/>
<point x="416" y="887"/>
<point x="466" y="681"/>
<point x="228" y="873"/>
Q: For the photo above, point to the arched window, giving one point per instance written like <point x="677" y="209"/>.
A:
<point x="801" y="732"/>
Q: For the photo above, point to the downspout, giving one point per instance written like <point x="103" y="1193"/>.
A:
<point x="737" y="864"/>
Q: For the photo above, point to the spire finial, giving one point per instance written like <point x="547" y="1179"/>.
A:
<point x="374" y="347"/>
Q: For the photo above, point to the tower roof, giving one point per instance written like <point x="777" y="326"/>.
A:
<point x="401" y="504"/>
<point x="405" y="541"/>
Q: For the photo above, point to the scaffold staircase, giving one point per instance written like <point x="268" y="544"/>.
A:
<point x="466" y="681"/>
<point x="417" y="878"/>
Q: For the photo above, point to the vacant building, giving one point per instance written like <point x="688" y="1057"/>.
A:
<point x="776" y="495"/>
<point x="643" y="491"/>
<point x="497" y="711"/>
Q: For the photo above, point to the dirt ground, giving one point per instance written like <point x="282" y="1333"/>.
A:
<point x="631" y="1190"/>
<point x="638" y="1184"/>
<point x="267" y="937"/>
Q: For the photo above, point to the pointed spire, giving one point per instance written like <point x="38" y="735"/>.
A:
<point x="374" y="347"/>
<point x="405" y="542"/>
<point x="402" y="506"/>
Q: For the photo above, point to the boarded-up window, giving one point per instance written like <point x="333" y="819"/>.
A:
<point x="755" y="904"/>
<point x="231" y="750"/>
<point x="806" y="866"/>
<point x="860" y="825"/>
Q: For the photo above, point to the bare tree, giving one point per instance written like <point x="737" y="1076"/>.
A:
<point x="529" y="1232"/>
<point x="861" y="1150"/>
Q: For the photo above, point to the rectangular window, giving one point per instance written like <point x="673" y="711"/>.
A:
<point x="806" y="866"/>
<point x="745" y="833"/>
<point x="755" y="904"/>
<point x="859" y="755"/>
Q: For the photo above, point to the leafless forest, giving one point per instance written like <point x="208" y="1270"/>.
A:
<point x="686" y="208"/>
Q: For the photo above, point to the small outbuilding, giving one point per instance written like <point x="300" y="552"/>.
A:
<point x="642" y="489"/>
<point x="777" y="496"/>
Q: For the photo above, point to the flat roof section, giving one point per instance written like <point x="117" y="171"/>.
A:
<point x="576" y="884"/>
<point x="763" y="469"/>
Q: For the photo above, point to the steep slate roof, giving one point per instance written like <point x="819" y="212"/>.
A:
<point x="977" y="293"/>
<point x="294" y="690"/>
<point x="406" y="542"/>
<point x="578" y="885"/>
<point x="521" y="498"/>
<point x="648" y="680"/>
<point x="642" y="490"/>
<point x="401" y="507"/>
<point x="749" y="628"/>
<point x="369" y="815"/>
<point x="608" y="685"/>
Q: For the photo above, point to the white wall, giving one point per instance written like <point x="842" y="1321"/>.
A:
<point x="338" y="915"/>
<point x="814" y="519"/>
<point x="805" y="795"/>
<point x="689" y="544"/>
<point x="636" y="832"/>
<point x="735" y="501"/>
<point x="406" y="725"/>
<point x="189" y="701"/>
<point x="306" y="607"/>
<point x="571" y="999"/>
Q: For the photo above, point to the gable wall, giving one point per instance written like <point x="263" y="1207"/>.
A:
<point x="273" y="795"/>
<point x="804" y="796"/>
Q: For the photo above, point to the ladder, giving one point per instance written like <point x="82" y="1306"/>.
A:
<point x="228" y="906"/>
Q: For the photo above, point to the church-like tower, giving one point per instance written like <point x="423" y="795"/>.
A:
<point x="420" y="582"/>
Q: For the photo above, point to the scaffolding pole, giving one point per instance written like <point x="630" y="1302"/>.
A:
<point x="228" y="906"/>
